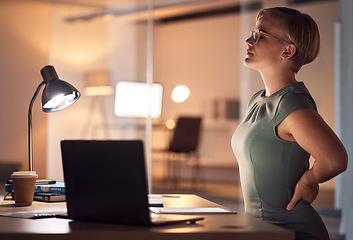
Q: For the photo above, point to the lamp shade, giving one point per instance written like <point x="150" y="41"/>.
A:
<point x="57" y="94"/>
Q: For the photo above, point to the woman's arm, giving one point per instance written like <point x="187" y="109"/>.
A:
<point x="311" y="132"/>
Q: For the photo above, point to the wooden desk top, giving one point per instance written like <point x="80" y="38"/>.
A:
<point x="214" y="226"/>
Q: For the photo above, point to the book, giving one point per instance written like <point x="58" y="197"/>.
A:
<point x="39" y="181"/>
<point x="49" y="197"/>
<point x="58" y="187"/>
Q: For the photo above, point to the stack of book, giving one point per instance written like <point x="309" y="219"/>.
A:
<point x="45" y="191"/>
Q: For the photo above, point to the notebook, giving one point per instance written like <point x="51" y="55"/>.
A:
<point x="105" y="181"/>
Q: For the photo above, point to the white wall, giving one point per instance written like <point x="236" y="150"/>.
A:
<point x="201" y="54"/>
<point x="24" y="45"/>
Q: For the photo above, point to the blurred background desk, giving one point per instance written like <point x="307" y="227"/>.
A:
<point x="214" y="226"/>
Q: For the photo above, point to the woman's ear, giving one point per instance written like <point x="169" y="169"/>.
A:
<point x="289" y="51"/>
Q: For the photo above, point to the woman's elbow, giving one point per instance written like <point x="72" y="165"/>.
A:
<point x="341" y="163"/>
<point x="345" y="165"/>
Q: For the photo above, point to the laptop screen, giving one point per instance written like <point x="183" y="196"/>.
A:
<point x="105" y="181"/>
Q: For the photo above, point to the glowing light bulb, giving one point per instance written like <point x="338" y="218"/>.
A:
<point x="180" y="93"/>
<point x="170" y="124"/>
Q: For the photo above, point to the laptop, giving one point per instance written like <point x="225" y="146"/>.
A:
<point x="105" y="181"/>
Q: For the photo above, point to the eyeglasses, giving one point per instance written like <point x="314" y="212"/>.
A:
<point x="255" y="35"/>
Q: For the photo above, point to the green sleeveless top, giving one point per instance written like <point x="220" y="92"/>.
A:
<point x="270" y="167"/>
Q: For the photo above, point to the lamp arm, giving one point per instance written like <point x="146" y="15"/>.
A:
<point x="30" y="144"/>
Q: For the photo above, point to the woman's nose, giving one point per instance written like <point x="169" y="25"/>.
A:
<point x="249" y="41"/>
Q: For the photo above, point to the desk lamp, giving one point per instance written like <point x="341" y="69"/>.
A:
<point x="56" y="95"/>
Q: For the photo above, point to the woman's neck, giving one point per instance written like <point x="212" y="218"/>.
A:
<point x="276" y="81"/>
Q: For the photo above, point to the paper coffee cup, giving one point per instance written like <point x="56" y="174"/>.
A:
<point x="24" y="183"/>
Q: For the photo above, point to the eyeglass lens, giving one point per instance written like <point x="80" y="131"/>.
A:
<point x="255" y="36"/>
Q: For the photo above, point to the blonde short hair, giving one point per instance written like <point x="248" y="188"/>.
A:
<point x="301" y="30"/>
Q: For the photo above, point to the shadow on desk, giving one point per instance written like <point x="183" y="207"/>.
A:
<point x="12" y="205"/>
<point x="79" y="226"/>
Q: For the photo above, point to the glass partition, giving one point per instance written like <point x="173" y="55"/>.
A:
<point x="95" y="45"/>
<point x="188" y="43"/>
<point x="198" y="46"/>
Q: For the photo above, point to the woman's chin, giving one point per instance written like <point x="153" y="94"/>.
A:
<point x="248" y="63"/>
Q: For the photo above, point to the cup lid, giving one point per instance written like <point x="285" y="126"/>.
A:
<point x="24" y="174"/>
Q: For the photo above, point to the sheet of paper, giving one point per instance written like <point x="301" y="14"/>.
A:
<point x="190" y="210"/>
<point x="32" y="214"/>
<point x="155" y="200"/>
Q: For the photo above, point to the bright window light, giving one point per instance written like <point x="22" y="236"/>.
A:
<point x="138" y="99"/>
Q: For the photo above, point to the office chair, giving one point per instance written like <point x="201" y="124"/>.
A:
<point x="183" y="148"/>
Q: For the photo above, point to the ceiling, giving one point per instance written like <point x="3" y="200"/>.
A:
<point x="164" y="10"/>
<point x="103" y="4"/>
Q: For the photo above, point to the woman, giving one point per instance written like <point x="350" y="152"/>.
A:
<point x="282" y="128"/>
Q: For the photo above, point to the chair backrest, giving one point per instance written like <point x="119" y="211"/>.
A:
<point x="186" y="135"/>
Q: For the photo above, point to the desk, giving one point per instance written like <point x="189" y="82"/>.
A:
<point x="214" y="226"/>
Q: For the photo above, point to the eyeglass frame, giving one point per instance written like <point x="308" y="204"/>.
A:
<point x="257" y="39"/>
